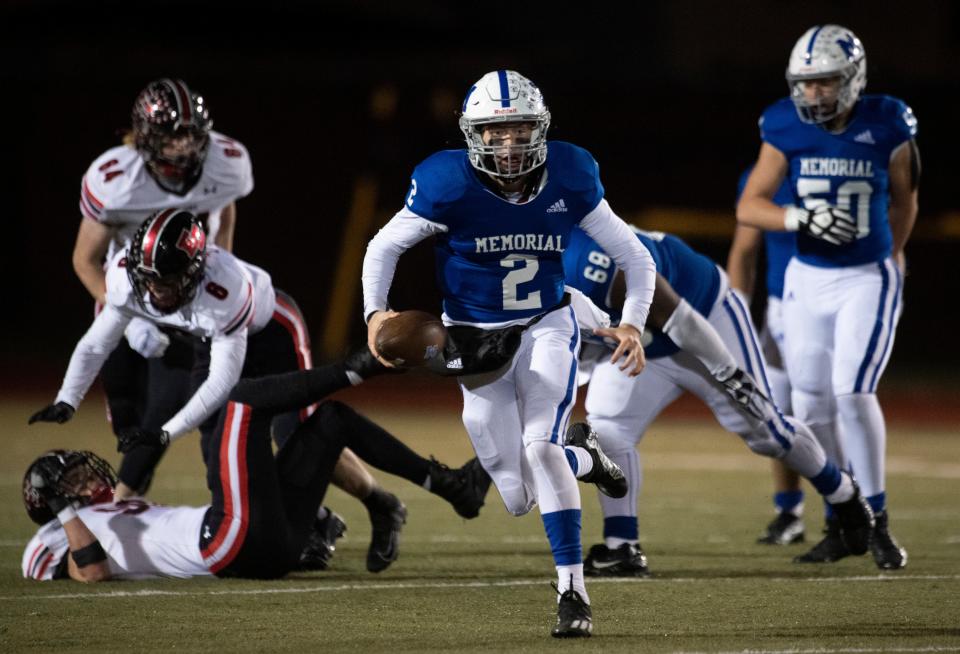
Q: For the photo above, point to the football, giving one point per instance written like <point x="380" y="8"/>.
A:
<point x="411" y="338"/>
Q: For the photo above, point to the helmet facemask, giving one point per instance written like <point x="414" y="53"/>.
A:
<point x="87" y="479"/>
<point x="506" y="161"/>
<point x="822" y="109"/>
<point x="171" y="129"/>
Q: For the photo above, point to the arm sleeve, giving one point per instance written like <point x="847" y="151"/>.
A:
<point x="616" y="238"/>
<point x="404" y="230"/>
<point x="226" y="363"/>
<point x="291" y="390"/>
<point x="90" y="353"/>
<point x="694" y="334"/>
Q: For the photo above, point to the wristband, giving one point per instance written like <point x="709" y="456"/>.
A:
<point x="66" y="514"/>
<point x="92" y="553"/>
<point x="792" y="218"/>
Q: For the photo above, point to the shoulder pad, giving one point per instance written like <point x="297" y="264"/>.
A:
<point x="226" y="293"/>
<point x="119" y="290"/>
<point x="578" y="168"/>
<point x="438" y="181"/>
<point x="776" y="118"/>
<point x="229" y="163"/>
<point x="108" y="181"/>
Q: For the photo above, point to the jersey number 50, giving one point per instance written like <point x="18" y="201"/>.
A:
<point x="808" y="186"/>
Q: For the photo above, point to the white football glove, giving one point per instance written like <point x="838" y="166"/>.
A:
<point x="827" y="223"/>
<point x="146" y="338"/>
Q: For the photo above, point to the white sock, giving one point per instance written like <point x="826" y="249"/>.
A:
<point x="584" y="460"/>
<point x="864" y="439"/>
<point x="612" y="542"/>
<point x="844" y="491"/>
<point x="571" y="576"/>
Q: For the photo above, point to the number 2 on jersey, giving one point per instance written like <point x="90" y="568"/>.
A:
<point x="516" y="277"/>
<point x="808" y="186"/>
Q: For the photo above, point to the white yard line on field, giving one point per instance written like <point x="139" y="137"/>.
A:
<point x="401" y="585"/>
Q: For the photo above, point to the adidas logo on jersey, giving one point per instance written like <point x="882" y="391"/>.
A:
<point x="558" y="207"/>
<point x="865" y="137"/>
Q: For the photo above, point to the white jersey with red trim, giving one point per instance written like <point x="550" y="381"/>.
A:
<point x="234" y="299"/>
<point x="232" y="294"/>
<point x="141" y="539"/>
<point x="117" y="190"/>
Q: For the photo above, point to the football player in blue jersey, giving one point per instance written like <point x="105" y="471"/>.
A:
<point x="701" y="340"/>
<point x="502" y="211"/>
<point x="787" y="527"/>
<point x="853" y="166"/>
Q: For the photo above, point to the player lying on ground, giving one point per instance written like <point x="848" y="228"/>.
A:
<point x="262" y="508"/>
<point x="169" y="276"/>
<point x="701" y="340"/>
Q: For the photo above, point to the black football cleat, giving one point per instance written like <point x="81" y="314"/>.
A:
<point x="574" y="618"/>
<point x="321" y="542"/>
<point x="628" y="560"/>
<point x="831" y="548"/>
<point x="606" y="474"/>
<point x="855" y="518"/>
<point x="385" y="535"/>
<point x="785" y="529"/>
<point x="887" y="553"/>
<point x="465" y="488"/>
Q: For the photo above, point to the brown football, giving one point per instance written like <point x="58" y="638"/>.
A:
<point x="411" y="338"/>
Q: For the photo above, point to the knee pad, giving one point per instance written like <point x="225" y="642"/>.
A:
<point x="763" y="443"/>
<point x="615" y="434"/>
<point x="813" y="408"/>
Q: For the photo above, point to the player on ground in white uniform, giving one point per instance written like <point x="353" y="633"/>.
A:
<point x="171" y="158"/>
<point x="262" y="507"/>
<point x="779" y="247"/>
<point x="502" y="211"/>
<point x="171" y="278"/>
<point x="854" y="168"/>
<point x="700" y="339"/>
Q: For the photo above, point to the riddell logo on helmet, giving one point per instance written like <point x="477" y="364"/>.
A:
<point x="511" y="110"/>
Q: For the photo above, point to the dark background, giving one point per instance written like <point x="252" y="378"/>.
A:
<point x="665" y="95"/>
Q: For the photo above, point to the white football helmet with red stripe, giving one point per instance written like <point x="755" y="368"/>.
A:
<point x="824" y="52"/>
<point x="171" y="128"/>
<point x="166" y="260"/>
<point x="505" y="96"/>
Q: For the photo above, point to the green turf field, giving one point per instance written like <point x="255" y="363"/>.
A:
<point x="483" y="585"/>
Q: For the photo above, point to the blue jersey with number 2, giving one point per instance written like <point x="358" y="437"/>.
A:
<point x="499" y="261"/>
<point x="848" y="170"/>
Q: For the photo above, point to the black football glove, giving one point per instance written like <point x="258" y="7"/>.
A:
<point x="45" y="476"/>
<point x="59" y="413"/>
<point x="131" y="437"/>
<point x="743" y="389"/>
<point x="827" y="223"/>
